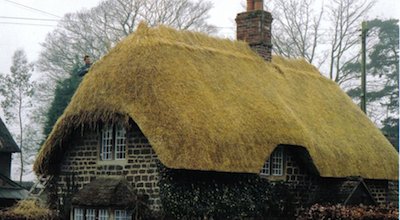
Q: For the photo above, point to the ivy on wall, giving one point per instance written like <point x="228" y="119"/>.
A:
<point x="219" y="195"/>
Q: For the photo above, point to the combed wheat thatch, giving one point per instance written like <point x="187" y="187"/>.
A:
<point x="212" y="104"/>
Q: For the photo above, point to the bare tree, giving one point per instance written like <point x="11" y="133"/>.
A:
<point x="96" y="31"/>
<point x="296" y="28"/>
<point x="345" y="17"/>
<point x="16" y="90"/>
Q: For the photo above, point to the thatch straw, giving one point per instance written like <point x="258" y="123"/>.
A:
<point x="28" y="209"/>
<point x="212" y="104"/>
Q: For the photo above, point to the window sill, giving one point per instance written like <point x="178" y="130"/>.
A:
<point x="112" y="162"/>
<point x="273" y="178"/>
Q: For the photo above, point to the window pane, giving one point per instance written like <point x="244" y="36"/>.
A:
<point x="103" y="214"/>
<point x="277" y="162"/>
<point x="266" y="168"/>
<point x="120" y="142"/>
<point x="106" y="143"/>
<point x="122" y="215"/>
<point x="90" y="214"/>
<point x="78" y="214"/>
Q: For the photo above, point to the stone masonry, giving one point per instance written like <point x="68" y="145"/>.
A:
<point x="303" y="184"/>
<point x="82" y="164"/>
<point x="306" y="186"/>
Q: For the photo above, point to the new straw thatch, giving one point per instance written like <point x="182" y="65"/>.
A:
<point x="212" y="104"/>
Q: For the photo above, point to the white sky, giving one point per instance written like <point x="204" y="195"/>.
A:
<point x="28" y="37"/>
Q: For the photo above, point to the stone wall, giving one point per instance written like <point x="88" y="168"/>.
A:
<point x="385" y="192"/>
<point x="307" y="187"/>
<point x="81" y="165"/>
<point x="303" y="184"/>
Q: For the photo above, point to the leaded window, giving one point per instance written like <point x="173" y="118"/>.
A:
<point x="113" y="142"/>
<point x="107" y="143"/>
<point x="103" y="214"/>
<point x="274" y="165"/>
<point x="120" y="142"/>
<point x="122" y="215"/>
<point x="78" y="214"/>
<point x="90" y="214"/>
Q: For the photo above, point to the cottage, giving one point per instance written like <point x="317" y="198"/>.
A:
<point x="167" y="113"/>
<point x="10" y="192"/>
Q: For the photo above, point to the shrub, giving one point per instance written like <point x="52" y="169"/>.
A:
<point x="348" y="212"/>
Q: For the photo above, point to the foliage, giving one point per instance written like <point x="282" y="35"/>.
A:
<point x="215" y="195"/>
<point x="382" y="76"/>
<point x="318" y="211"/>
<point x="63" y="93"/>
<point x="17" y="90"/>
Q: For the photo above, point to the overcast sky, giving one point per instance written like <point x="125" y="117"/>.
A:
<point x="14" y="35"/>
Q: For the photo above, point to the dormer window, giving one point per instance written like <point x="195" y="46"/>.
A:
<point x="274" y="165"/>
<point x="113" y="142"/>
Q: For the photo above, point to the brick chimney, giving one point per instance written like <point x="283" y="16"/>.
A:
<point x="254" y="27"/>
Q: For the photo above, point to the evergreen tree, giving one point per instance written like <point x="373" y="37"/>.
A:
<point x="382" y="76"/>
<point x="63" y="93"/>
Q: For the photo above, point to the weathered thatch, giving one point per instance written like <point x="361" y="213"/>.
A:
<point x="212" y="104"/>
<point x="28" y="209"/>
<point x="106" y="192"/>
<point x="7" y="143"/>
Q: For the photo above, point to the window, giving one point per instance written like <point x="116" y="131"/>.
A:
<point x="122" y="215"/>
<point x="78" y="214"/>
<point x="113" y="142"/>
<point x="120" y="141"/>
<point x="90" y="214"/>
<point x="103" y="214"/>
<point x="274" y="165"/>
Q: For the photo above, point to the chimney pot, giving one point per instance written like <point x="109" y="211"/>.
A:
<point x="250" y="5"/>
<point x="254" y="27"/>
<point x="258" y="5"/>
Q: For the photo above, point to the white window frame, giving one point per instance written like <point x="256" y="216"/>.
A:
<point x="103" y="214"/>
<point x="113" y="143"/>
<point x="78" y="214"/>
<point x="90" y="214"/>
<point x="120" y="142"/>
<point x="106" y="143"/>
<point x="121" y="215"/>
<point x="274" y="166"/>
<point x="277" y="162"/>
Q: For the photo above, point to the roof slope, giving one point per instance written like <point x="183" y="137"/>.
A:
<point x="212" y="104"/>
<point x="10" y="189"/>
<point x="7" y="143"/>
<point x="105" y="192"/>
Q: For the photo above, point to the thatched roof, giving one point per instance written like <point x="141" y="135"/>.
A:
<point x="28" y="209"/>
<point x="213" y="104"/>
<point x="7" y="143"/>
<point x="105" y="192"/>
